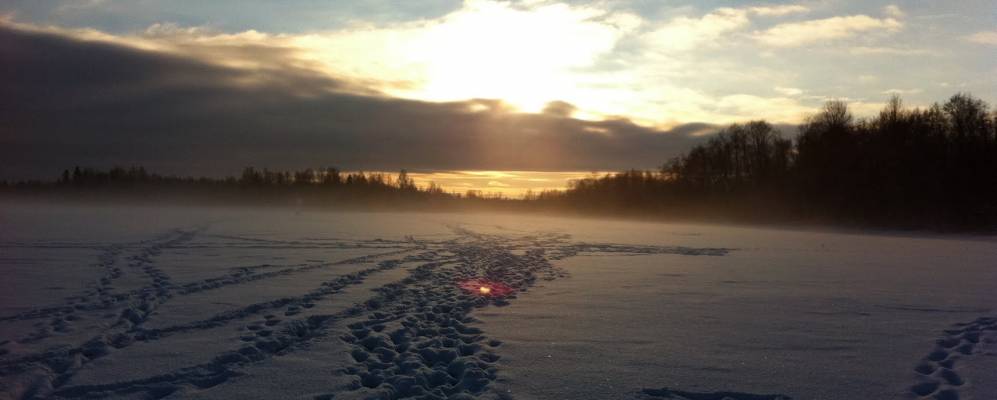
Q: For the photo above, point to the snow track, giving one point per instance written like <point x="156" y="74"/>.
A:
<point x="391" y="306"/>
<point x="411" y="338"/>
<point x="937" y="374"/>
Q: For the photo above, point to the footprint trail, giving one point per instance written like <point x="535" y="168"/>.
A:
<point x="414" y="338"/>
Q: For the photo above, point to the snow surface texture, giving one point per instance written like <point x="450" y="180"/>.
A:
<point x="138" y="302"/>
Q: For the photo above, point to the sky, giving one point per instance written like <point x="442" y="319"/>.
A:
<point x="446" y="87"/>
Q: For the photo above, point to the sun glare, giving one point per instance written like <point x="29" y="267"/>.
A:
<point x="520" y="56"/>
<point x="486" y="287"/>
<point x="525" y="57"/>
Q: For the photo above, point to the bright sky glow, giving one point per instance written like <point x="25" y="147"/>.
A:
<point x="657" y="64"/>
<point x="513" y="184"/>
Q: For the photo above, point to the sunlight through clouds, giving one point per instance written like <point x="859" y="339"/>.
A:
<point x="484" y="50"/>
<point x="594" y="61"/>
<point x="512" y="184"/>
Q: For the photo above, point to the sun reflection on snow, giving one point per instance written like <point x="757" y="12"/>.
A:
<point x="486" y="288"/>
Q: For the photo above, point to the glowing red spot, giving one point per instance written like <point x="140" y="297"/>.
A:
<point x="485" y="287"/>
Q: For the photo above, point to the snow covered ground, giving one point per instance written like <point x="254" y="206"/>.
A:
<point x="142" y="302"/>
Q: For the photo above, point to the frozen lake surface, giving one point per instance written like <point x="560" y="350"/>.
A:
<point x="145" y="302"/>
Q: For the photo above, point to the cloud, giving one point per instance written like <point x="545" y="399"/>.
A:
<point x="890" y="51"/>
<point x="867" y="79"/>
<point x="527" y="55"/>
<point x="894" y="11"/>
<point x="685" y="33"/>
<point x="983" y="37"/>
<point x="602" y="60"/>
<point x="560" y="108"/>
<point x="789" y="91"/>
<point x="780" y="10"/>
<point x="79" y="5"/>
<point x="69" y="102"/>
<point x="903" y="91"/>
<point x="658" y="63"/>
<point x="822" y="30"/>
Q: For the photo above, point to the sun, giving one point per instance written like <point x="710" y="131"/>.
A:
<point x="526" y="58"/>
<point x="484" y="290"/>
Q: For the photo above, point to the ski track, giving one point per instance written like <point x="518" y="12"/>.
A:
<point x="411" y="339"/>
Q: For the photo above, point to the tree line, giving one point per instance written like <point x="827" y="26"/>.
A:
<point x="251" y="176"/>
<point x="905" y="167"/>
<point x="312" y="187"/>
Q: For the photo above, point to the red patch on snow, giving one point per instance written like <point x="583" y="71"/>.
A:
<point x="485" y="287"/>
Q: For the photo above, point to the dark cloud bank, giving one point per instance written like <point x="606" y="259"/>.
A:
<point x="67" y="102"/>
